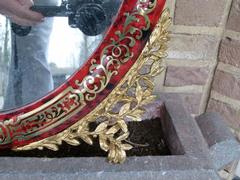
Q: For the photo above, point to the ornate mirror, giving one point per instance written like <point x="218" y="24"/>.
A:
<point x="98" y="72"/>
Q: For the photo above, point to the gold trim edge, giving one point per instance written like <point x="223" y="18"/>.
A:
<point x="101" y="71"/>
<point x="133" y="92"/>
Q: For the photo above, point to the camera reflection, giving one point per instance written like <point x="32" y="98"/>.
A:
<point x="37" y="63"/>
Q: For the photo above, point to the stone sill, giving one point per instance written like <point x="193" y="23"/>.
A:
<point x="199" y="149"/>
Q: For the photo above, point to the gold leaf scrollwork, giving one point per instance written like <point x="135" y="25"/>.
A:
<point x="126" y="102"/>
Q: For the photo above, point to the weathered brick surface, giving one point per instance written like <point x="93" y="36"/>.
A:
<point x="227" y="84"/>
<point x="199" y="13"/>
<point x="181" y="76"/>
<point x="190" y="101"/>
<point x="188" y="47"/>
<point x="229" y="52"/>
<point x="234" y="17"/>
<point x="230" y="114"/>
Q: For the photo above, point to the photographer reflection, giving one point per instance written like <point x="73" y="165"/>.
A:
<point x="29" y="76"/>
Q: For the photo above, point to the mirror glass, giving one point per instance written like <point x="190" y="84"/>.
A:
<point x="36" y="60"/>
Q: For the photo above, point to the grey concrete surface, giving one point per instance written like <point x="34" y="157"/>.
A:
<point x="195" y="154"/>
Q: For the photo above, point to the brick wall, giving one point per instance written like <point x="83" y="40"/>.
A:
<point x="203" y="64"/>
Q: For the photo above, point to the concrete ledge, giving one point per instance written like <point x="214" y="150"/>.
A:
<point x="150" y="175"/>
<point x="192" y="157"/>
<point x="223" y="146"/>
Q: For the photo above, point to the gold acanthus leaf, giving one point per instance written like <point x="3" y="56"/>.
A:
<point x="133" y="92"/>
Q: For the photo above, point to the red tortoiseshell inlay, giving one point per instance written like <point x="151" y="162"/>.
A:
<point x="73" y="100"/>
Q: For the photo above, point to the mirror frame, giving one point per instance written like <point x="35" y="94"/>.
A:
<point x="90" y="94"/>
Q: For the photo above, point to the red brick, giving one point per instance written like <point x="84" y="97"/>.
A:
<point x="229" y="52"/>
<point x="182" y="76"/>
<point x="192" y="47"/>
<point x="199" y="13"/>
<point x="227" y="84"/>
<point x="231" y="116"/>
<point x="234" y="17"/>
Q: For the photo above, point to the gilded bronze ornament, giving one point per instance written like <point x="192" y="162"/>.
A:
<point x="133" y="92"/>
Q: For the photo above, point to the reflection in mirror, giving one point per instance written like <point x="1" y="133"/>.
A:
<point x="35" y="63"/>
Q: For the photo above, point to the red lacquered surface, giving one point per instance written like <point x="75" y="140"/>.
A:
<point x="90" y="85"/>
